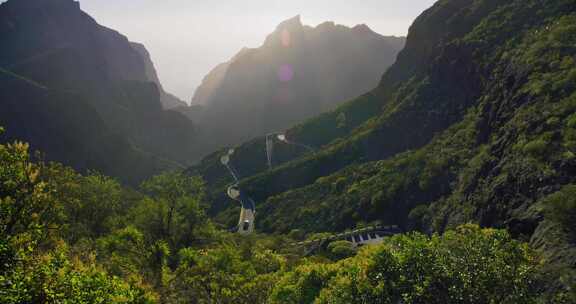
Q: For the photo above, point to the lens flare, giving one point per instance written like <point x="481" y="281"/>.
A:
<point x="285" y="73"/>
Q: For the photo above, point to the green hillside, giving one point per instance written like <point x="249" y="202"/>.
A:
<point x="71" y="238"/>
<point x="475" y="125"/>
<point x="467" y="145"/>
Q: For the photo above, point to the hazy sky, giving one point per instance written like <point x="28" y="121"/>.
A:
<point x="187" y="38"/>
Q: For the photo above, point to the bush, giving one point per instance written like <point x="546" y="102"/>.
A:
<point x="536" y="148"/>
<point x="571" y="121"/>
<point x="561" y="208"/>
<point x="341" y="249"/>
<point x="467" y="265"/>
<point x="420" y="217"/>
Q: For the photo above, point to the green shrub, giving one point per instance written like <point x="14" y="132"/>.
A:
<point x="467" y="265"/>
<point x="341" y="249"/>
<point x="536" y="148"/>
<point x="420" y="216"/>
<point x="553" y="121"/>
<point x="571" y="121"/>
<point x="561" y="208"/>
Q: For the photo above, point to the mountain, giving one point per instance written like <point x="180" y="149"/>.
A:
<point x="298" y="72"/>
<point x="51" y="118"/>
<point x="168" y="100"/>
<point x="210" y="84"/>
<point x="475" y="122"/>
<point x="95" y="79"/>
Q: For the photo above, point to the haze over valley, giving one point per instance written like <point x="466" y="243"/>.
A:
<point x="189" y="38"/>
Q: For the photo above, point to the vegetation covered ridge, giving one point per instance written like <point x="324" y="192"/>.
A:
<point x="476" y="125"/>
<point x="68" y="238"/>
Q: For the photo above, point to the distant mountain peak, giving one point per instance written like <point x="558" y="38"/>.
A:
<point x="286" y="33"/>
<point x="363" y="28"/>
<point x="327" y="24"/>
<point x="35" y="4"/>
<point x="292" y="23"/>
<point x="169" y="101"/>
<point x="298" y="72"/>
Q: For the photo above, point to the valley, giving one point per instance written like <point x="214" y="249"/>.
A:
<point x="331" y="164"/>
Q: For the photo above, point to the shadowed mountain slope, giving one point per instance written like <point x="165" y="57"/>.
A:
<point x="54" y="44"/>
<point x="168" y="100"/>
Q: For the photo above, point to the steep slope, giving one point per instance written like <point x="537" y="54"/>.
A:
<point x="54" y="44"/>
<point x="476" y="125"/>
<point x="168" y="100"/>
<point x="512" y="124"/>
<point x="297" y="73"/>
<point x="210" y="84"/>
<point x="48" y="120"/>
<point x="353" y="132"/>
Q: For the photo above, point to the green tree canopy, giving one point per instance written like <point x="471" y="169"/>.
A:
<point x="467" y="265"/>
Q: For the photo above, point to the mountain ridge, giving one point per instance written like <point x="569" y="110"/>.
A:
<point x="169" y="101"/>
<point x="474" y="124"/>
<point x="68" y="52"/>
<point x="290" y="78"/>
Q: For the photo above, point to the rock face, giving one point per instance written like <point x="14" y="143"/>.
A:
<point x="56" y="46"/>
<point x="298" y="72"/>
<point x="168" y="100"/>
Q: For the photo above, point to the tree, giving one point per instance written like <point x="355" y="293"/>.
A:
<point x="25" y="200"/>
<point x="35" y="266"/>
<point x="341" y="249"/>
<point x="173" y="212"/>
<point x="561" y="208"/>
<point x="227" y="274"/>
<point x="467" y="265"/>
<point x="90" y="205"/>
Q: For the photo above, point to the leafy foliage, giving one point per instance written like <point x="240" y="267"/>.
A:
<point x="474" y="123"/>
<point x="29" y="272"/>
<point x="159" y="247"/>
<point x="468" y="265"/>
<point x="561" y="208"/>
<point x="174" y="210"/>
